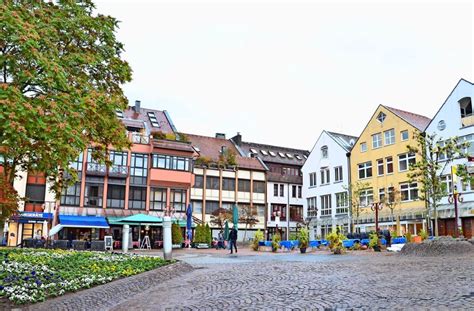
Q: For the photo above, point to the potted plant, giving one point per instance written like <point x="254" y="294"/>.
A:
<point x="335" y="239"/>
<point x="374" y="241"/>
<point x="176" y="235"/>
<point x="201" y="237"/>
<point x="257" y="238"/>
<point x="303" y="239"/>
<point x="276" y="242"/>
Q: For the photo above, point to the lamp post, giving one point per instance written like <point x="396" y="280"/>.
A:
<point x="455" y="197"/>
<point x="376" y="207"/>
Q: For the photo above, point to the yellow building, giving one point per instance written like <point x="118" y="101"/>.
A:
<point x="380" y="161"/>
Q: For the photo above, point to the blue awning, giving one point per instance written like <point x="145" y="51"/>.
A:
<point x="83" y="221"/>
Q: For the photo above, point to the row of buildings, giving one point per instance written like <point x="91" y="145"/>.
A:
<point x="278" y="188"/>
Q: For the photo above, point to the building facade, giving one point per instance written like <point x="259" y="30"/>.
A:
<point x="223" y="178"/>
<point x="379" y="164"/>
<point x="326" y="180"/>
<point x="284" y="199"/>
<point x="455" y="119"/>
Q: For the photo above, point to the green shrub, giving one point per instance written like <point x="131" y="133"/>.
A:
<point x="276" y="239"/>
<point x="408" y="237"/>
<point x="208" y="234"/>
<point x="200" y="234"/>
<point x="176" y="234"/>
<point x="303" y="237"/>
<point x="374" y="239"/>
<point x="356" y="247"/>
<point x="423" y="234"/>
<point x="257" y="238"/>
<point x="335" y="239"/>
<point x="293" y="236"/>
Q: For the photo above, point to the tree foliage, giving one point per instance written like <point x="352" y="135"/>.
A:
<point x="355" y="190"/>
<point x="220" y="216"/>
<point x="176" y="234"/>
<point x="248" y="216"/>
<point x="61" y="74"/>
<point x="435" y="155"/>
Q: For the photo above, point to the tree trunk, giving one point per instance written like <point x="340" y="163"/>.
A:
<point x="245" y="232"/>
<point x="435" y="220"/>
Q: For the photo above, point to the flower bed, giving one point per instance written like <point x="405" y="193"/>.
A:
<point x="32" y="275"/>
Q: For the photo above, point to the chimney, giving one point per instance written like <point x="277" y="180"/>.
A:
<point x="237" y="139"/>
<point x="220" y="135"/>
<point x="137" y="106"/>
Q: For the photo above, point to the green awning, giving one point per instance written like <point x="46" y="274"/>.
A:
<point x="122" y="221"/>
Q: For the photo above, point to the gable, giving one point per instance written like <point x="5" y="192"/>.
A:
<point x="325" y="139"/>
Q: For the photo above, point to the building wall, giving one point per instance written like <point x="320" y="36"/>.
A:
<point x="394" y="179"/>
<point x="315" y="162"/>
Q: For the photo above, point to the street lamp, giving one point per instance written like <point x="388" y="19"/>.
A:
<point x="376" y="207"/>
<point x="455" y="197"/>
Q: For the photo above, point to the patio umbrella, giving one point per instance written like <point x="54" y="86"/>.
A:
<point x="226" y="231"/>
<point x="189" y="222"/>
<point x="235" y="216"/>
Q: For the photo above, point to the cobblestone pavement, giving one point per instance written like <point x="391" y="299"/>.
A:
<point x="360" y="280"/>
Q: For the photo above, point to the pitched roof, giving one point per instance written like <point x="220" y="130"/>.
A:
<point x="345" y="141"/>
<point x="142" y="120"/>
<point x="297" y="156"/>
<point x="418" y="121"/>
<point x="211" y="147"/>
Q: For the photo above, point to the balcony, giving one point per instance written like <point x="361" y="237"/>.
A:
<point x="118" y="171"/>
<point x="467" y="120"/>
<point x="96" y="169"/>
<point x="172" y="177"/>
<point x="138" y="138"/>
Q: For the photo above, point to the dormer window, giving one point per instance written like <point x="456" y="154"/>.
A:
<point x="253" y="151"/>
<point x="273" y="154"/>
<point x="290" y="156"/>
<point x="281" y="155"/>
<point x="381" y="117"/>
<point x="264" y="152"/>
<point x="324" y="152"/>
<point x="465" y="106"/>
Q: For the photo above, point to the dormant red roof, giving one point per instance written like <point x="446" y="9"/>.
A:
<point x="418" y="121"/>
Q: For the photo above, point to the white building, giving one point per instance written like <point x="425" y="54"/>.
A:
<point x="455" y="118"/>
<point x="326" y="177"/>
<point x="284" y="197"/>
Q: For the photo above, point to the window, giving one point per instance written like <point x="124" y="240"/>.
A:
<point x="211" y="206"/>
<point x="377" y="140"/>
<point x="312" y="207"/>
<point x="178" y="200"/>
<point x="366" y="197"/>
<point x="312" y="179"/>
<point x="447" y="184"/>
<point x="138" y="169"/>
<point x="296" y="213"/>
<point x="409" y="191"/>
<point x="71" y="195"/>
<point x="391" y="194"/>
<point x="228" y="184"/>
<point x="405" y="160"/>
<point x="342" y="203"/>
<point x="363" y="147"/>
<point x="278" y="209"/>
<point x="260" y="208"/>
<point x="281" y="154"/>
<point x="275" y="190"/>
<point x="115" y="196"/>
<point x="465" y="106"/>
<point x="365" y="170"/>
<point x="244" y="185"/>
<point x="291" y="171"/>
<point x="137" y="198"/>
<point x="380" y="167"/>
<point x="197" y="207"/>
<point x="338" y="173"/>
<point x="325" y="177"/>
<point x="324" y="152"/>
<point x="265" y="153"/>
<point x="94" y="192"/>
<point x="171" y="162"/>
<point x="77" y="164"/>
<point x="404" y="135"/>
<point x="289" y="155"/>
<point x="199" y="182"/>
<point x="212" y="182"/>
<point x="118" y="158"/>
<point x="158" y="199"/>
<point x="389" y="161"/>
<point x="326" y="205"/>
<point x="273" y="154"/>
<point x="381" y="117"/>
<point x="293" y="191"/>
<point x="469" y="139"/>
<point x="282" y="190"/>
<point x="35" y="193"/>
<point x="382" y="195"/>
<point x="389" y="137"/>
<point x="299" y="192"/>
<point x="259" y="187"/>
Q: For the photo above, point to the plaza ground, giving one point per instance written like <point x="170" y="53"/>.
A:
<point x="210" y="279"/>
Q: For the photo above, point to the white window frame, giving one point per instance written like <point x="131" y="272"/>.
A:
<point x="387" y="162"/>
<point x="382" y="192"/>
<point x="326" y="205"/>
<point x="338" y="174"/>
<point x="324" y="152"/>
<point x="448" y="181"/>
<point x="312" y="179"/>
<point x="402" y="133"/>
<point x="363" y="147"/>
<point x="342" y="203"/>
<point x="312" y="206"/>
<point x="380" y="165"/>
<point x="365" y="167"/>
<point x="406" y="157"/>
<point x="409" y="187"/>
<point x="325" y="176"/>
<point x="390" y="139"/>
<point x="377" y="137"/>
<point x="366" y="197"/>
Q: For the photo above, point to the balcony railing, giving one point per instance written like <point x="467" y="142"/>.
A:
<point x="118" y="171"/>
<point x="96" y="168"/>
<point x="93" y="201"/>
<point x="138" y="138"/>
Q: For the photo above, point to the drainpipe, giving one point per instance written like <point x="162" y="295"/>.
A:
<point x="288" y="215"/>
<point x="349" y="177"/>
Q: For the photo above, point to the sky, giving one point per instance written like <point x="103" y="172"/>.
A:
<point x="280" y="72"/>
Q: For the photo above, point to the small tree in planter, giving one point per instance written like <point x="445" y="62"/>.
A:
<point x="200" y="237"/>
<point x="176" y="235"/>
<point x="374" y="242"/>
<point x="257" y="238"/>
<point x="208" y="234"/>
<point x="303" y="239"/>
<point x="276" y="239"/>
<point x="335" y="239"/>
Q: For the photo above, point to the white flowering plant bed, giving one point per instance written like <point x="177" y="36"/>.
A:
<point x="32" y="275"/>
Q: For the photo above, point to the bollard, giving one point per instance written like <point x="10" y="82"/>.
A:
<point x="167" y="247"/>
<point x="125" y="230"/>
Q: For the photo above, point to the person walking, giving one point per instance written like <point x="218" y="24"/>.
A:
<point x="233" y="240"/>
<point x="220" y="240"/>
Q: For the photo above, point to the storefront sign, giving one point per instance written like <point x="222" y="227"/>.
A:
<point x="108" y="241"/>
<point x="36" y="215"/>
<point x="32" y="217"/>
